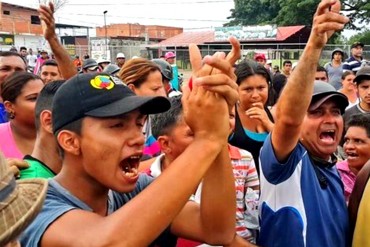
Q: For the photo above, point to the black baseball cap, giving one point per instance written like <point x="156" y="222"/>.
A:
<point x="357" y="43"/>
<point x="101" y="96"/>
<point x="90" y="64"/>
<point x="363" y="73"/>
<point x="323" y="91"/>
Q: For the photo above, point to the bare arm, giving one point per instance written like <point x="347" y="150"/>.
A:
<point x="132" y="225"/>
<point x="296" y="96"/>
<point x="65" y="63"/>
<point x="144" y="217"/>
<point x="213" y="221"/>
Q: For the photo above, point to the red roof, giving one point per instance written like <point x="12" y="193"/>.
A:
<point x="202" y="37"/>
<point x="185" y="38"/>
<point x="285" y="32"/>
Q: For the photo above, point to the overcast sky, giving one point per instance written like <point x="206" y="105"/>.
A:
<point x="190" y="14"/>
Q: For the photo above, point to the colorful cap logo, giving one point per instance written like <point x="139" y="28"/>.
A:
<point x="102" y="82"/>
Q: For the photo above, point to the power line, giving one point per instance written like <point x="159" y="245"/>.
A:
<point x="150" y="18"/>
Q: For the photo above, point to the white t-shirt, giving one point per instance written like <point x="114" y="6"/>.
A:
<point x="31" y="60"/>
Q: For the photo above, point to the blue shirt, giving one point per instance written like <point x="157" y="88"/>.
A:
<point x="59" y="201"/>
<point x="294" y="209"/>
<point x="3" y="117"/>
<point x="175" y="80"/>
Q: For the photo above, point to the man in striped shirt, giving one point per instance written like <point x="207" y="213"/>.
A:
<point x="354" y="62"/>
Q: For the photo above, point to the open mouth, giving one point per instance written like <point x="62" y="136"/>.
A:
<point x="351" y="155"/>
<point x="327" y="136"/>
<point x="129" y="166"/>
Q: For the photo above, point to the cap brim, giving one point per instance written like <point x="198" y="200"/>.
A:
<point x="146" y="105"/>
<point x="93" y="68"/>
<point x="27" y="201"/>
<point x="319" y="99"/>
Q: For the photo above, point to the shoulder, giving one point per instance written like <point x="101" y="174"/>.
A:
<point x="352" y="110"/>
<point x="342" y="166"/>
<point x="54" y="206"/>
<point x="276" y="172"/>
<point x="5" y="126"/>
<point x="36" y="169"/>
<point x="120" y="199"/>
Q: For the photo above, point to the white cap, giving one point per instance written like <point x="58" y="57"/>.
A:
<point x="102" y="60"/>
<point x="120" y="55"/>
<point x="269" y="62"/>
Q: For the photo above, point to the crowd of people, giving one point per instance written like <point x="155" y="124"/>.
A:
<point x="94" y="153"/>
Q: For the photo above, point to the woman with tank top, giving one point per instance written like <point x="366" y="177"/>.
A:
<point x="253" y="120"/>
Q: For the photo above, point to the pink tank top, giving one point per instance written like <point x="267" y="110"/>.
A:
<point x="7" y="143"/>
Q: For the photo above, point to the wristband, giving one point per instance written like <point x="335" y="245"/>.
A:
<point x="190" y="83"/>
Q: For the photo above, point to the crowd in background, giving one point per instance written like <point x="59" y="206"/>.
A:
<point x="243" y="154"/>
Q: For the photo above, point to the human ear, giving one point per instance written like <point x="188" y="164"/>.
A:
<point x="46" y="121"/>
<point x="69" y="142"/>
<point x="164" y="144"/>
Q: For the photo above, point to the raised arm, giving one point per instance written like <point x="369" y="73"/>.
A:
<point x="213" y="221"/>
<point x="65" y="63"/>
<point x="296" y="96"/>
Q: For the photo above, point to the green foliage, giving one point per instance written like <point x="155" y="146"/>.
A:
<point x="292" y="12"/>
<point x="296" y="12"/>
<point x="359" y="11"/>
<point x="363" y="37"/>
<point x="253" y="12"/>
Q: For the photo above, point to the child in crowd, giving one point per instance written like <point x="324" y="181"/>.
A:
<point x="174" y="135"/>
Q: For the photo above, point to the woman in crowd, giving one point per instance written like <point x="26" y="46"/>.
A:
<point x="145" y="79"/>
<point x="356" y="146"/>
<point x="253" y="120"/>
<point x="349" y="88"/>
<point x="19" y="92"/>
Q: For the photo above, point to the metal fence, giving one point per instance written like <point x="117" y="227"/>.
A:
<point x="278" y="53"/>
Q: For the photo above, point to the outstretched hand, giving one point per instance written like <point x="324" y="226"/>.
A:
<point x="46" y="14"/>
<point x="326" y="21"/>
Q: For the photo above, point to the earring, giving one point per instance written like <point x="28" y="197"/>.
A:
<point x="11" y="115"/>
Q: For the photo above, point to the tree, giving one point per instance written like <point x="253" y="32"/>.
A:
<point x="296" y="12"/>
<point x="253" y="12"/>
<point x="358" y="11"/>
<point x="293" y="12"/>
<point x="57" y="3"/>
<point x="363" y="37"/>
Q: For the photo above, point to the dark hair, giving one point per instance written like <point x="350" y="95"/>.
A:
<point x="279" y="81"/>
<point x="136" y="71"/>
<point x="49" y="62"/>
<point x="11" y="54"/>
<point x="164" y="122"/>
<point x="320" y="68"/>
<point x="75" y="126"/>
<point x="347" y="73"/>
<point x="249" y="68"/>
<point x="23" y="48"/>
<point x="12" y="87"/>
<point x="287" y="61"/>
<point x="45" y="99"/>
<point x="359" y="120"/>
